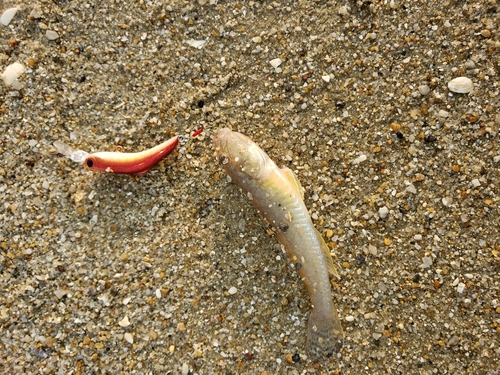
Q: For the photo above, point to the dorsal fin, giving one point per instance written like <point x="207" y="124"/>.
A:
<point x="328" y="257"/>
<point x="294" y="181"/>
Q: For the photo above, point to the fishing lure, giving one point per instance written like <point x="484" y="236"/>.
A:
<point x="278" y="196"/>
<point x="130" y="162"/>
<point x="126" y="162"/>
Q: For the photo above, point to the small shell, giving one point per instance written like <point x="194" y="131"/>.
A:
<point x="461" y="85"/>
<point x="8" y="15"/>
<point x="12" y="72"/>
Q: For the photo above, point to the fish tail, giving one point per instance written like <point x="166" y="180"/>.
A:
<point x="325" y="336"/>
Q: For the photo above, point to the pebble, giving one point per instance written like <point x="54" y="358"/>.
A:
<point x="12" y="72"/>
<point x="460" y="287"/>
<point x="326" y="78"/>
<point x="8" y="15"/>
<point x="349" y="318"/>
<point x="276" y="62"/>
<point x="383" y="212"/>
<point x="196" y="43"/>
<point x="461" y="85"/>
<point x="475" y="182"/>
<point x="361" y="158"/>
<point x="124" y="322"/>
<point x="443" y="114"/>
<point x="426" y="262"/>
<point x="424" y="89"/>
<point x="447" y="201"/>
<point x="232" y="290"/>
<point x="51" y="35"/>
<point x="129" y="338"/>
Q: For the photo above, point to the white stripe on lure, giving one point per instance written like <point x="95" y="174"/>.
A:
<point x="278" y="196"/>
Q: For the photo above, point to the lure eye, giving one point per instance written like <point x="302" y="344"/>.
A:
<point x="89" y="163"/>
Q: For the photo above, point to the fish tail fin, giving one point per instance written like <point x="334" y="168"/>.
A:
<point x="325" y="336"/>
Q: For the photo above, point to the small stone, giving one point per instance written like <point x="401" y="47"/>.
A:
<point x="376" y="335"/>
<point x="129" y="338"/>
<point x="51" y="35"/>
<point x="461" y="85"/>
<point x="475" y="182"/>
<point x="87" y="340"/>
<point x="181" y="327"/>
<point x="387" y="241"/>
<point x="257" y="39"/>
<point x="424" y="89"/>
<point x="426" y="262"/>
<point x="232" y="290"/>
<point x="124" y="322"/>
<point x="276" y="62"/>
<point x="8" y="15"/>
<point x="196" y="43"/>
<point x="361" y="158"/>
<point x="486" y="33"/>
<point x="329" y="233"/>
<point x="447" y="201"/>
<point x="326" y="78"/>
<point x="171" y="348"/>
<point x="349" y="318"/>
<point x="185" y="369"/>
<point x="395" y="127"/>
<point x="372" y="250"/>
<point x="383" y="212"/>
<point x="460" y="288"/>
<point x="443" y="114"/>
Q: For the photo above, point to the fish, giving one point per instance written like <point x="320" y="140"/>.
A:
<point x="130" y="162"/>
<point x="279" y="197"/>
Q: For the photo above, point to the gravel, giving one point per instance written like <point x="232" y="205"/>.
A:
<point x="103" y="273"/>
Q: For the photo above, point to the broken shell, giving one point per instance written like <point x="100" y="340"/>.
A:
<point x="8" y="15"/>
<point x="12" y="72"/>
<point x="461" y="85"/>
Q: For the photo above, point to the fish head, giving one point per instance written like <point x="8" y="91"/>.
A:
<point x="238" y="153"/>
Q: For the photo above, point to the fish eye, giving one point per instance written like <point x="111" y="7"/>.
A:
<point x="89" y="163"/>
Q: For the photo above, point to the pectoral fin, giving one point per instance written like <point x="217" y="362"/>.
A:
<point x="294" y="181"/>
<point x="328" y="257"/>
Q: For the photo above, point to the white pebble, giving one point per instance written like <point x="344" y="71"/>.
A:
<point x="196" y="43"/>
<point x="51" y="35"/>
<point x="461" y="85"/>
<point x="383" y="212"/>
<point x="475" y="182"/>
<point x="426" y="262"/>
<point x="158" y="293"/>
<point x="376" y="335"/>
<point x="185" y="369"/>
<point x="411" y="188"/>
<point x="349" y="318"/>
<point x="232" y="290"/>
<point x="447" y="201"/>
<point x="326" y="78"/>
<point x="359" y="159"/>
<point x="423" y="89"/>
<point x="8" y="15"/>
<point x="460" y="287"/>
<point x="12" y="72"/>
<point x="124" y="322"/>
<point x="276" y="62"/>
<point x="442" y="113"/>
<point x="129" y="338"/>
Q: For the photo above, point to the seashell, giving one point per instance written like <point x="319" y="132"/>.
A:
<point x="196" y="43"/>
<point x="8" y="15"/>
<point x="12" y="72"/>
<point x="461" y="85"/>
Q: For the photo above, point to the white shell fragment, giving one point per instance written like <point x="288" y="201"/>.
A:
<point x="196" y="43"/>
<point x="12" y="72"/>
<point x="51" y="35"/>
<point x="461" y="85"/>
<point x="275" y="62"/>
<point x="8" y="15"/>
<point x="125" y="322"/>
